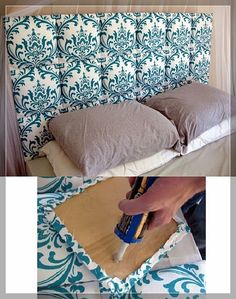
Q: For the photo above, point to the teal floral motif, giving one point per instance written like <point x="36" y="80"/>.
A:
<point x="121" y="86"/>
<point x="150" y="63"/>
<point x="153" y="77"/>
<point x="203" y="36"/>
<point x="177" y="52"/>
<point x="200" y="70"/>
<point x="64" y="185"/>
<point x="61" y="63"/>
<point x="200" y="47"/>
<point x="151" y="81"/>
<point x="174" y="281"/>
<point x="78" y="37"/>
<point x="33" y="48"/>
<point x="42" y="98"/>
<point x="122" y="40"/>
<point x="120" y="44"/>
<point x="81" y="86"/>
<point x="179" y="38"/>
<point x="189" y="277"/>
<point x="39" y="97"/>
<point x="84" y="89"/>
<point x="153" y="40"/>
<point x="178" y="75"/>
<point x="36" y="48"/>
<point x="36" y="105"/>
<point x="56" y="184"/>
<point x="81" y="45"/>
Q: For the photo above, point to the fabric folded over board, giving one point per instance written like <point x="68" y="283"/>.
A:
<point x="62" y="267"/>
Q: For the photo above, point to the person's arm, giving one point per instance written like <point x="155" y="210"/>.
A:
<point x="163" y="198"/>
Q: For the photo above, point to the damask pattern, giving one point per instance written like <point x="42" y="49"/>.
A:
<point x="181" y="279"/>
<point x="118" y="43"/>
<point x="61" y="63"/>
<point x="177" y="49"/>
<point x="150" y="64"/>
<point x="200" y="47"/>
<point x="66" y="184"/>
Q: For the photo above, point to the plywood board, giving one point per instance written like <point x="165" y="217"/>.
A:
<point x="91" y="218"/>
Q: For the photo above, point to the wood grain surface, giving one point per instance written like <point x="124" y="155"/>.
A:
<point x="91" y="218"/>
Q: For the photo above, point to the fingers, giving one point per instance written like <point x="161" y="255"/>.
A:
<point x="159" y="218"/>
<point x="143" y="204"/>
<point x="132" y="207"/>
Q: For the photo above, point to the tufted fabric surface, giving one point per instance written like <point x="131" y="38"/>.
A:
<point x="61" y="63"/>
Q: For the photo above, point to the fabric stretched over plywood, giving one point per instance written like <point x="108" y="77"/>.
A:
<point x="61" y="259"/>
<point x="91" y="218"/>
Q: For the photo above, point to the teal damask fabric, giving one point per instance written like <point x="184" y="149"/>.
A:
<point x="67" y="184"/>
<point x="61" y="63"/>
<point x="188" y="280"/>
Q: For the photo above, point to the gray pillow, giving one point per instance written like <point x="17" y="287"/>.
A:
<point x="102" y="137"/>
<point x="193" y="108"/>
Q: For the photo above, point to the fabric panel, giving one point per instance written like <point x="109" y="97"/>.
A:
<point x="97" y="58"/>
<point x="150" y="62"/>
<point x="118" y="46"/>
<point x="200" y="47"/>
<point x="188" y="278"/>
<point x="11" y="157"/>
<point x="177" y="49"/>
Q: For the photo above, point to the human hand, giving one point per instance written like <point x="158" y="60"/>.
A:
<point x="163" y="198"/>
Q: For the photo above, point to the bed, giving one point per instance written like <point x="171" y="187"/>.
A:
<point x="61" y="64"/>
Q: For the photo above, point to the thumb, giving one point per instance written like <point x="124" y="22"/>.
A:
<point x="136" y="206"/>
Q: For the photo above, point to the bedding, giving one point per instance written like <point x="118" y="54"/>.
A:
<point x="193" y="108"/>
<point x="211" y="160"/>
<point x="62" y="165"/>
<point x="226" y="127"/>
<point x="105" y="136"/>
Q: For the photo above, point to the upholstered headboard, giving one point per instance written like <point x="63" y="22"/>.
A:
<point x="60" y="63"/>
